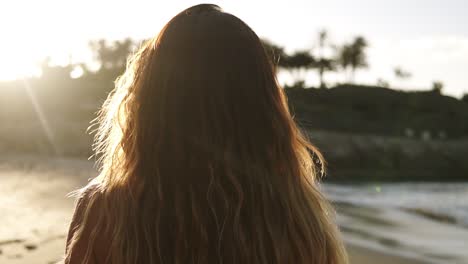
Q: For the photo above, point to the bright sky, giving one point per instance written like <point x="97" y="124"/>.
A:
<point x="428" y="38"/>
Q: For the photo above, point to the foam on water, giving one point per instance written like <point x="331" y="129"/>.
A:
<point x="424" y="221"/>
<point x="448" y="200"/>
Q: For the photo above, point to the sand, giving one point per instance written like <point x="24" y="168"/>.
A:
<point x="361" y="255"/>
<point x="35" y="213"/>
<point x="51" y="251"/>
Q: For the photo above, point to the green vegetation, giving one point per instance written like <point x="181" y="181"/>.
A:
<point x="375" y="110"/>
<point x="348" y="57"/>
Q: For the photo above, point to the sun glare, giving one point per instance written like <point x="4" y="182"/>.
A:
<point x="12" y="68"/>
<point x="32" y="31"/>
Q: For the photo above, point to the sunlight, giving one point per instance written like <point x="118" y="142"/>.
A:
<point x="214" y="114"/>
<point x="22" y="59"/>
<point x="39" y="32"/>
<point x="19" y="61"/>
<point x="14" y="66"/>
<point x="42" y="118"/>
<point x="34" y="30"/>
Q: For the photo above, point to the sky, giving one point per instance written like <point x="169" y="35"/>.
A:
<point x="427" y="38"/>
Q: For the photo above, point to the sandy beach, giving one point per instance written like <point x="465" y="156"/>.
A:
<point x="50" y="251"/>
<point x="362" y="255"/>
<point x="35" y="213"/>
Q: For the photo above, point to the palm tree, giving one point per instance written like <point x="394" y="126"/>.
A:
<point x="352" y="56"/>
<point x="401" y="74"/>
<point x="300" y="60"/>
<point x="437" y="87"/>
<point x="357" y="55"/>
<point x="322" y="63"/>
<point x="276" y="54"/>
<point x="344" y="59"/>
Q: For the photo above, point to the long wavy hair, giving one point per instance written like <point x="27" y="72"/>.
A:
<point x="201" y="161"/>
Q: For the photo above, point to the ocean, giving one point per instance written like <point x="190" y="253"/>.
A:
<point x="439" y="201"/>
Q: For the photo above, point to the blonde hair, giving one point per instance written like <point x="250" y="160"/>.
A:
<point x="201" y="161"/>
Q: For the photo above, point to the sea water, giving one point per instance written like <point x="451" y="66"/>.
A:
<point x="447" y="201"/>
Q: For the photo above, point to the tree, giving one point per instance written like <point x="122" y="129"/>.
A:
<point x="300" y="60"/>
<point x="437" y="87"/>
<point x="344" y="59"/>
<point x="465" y="98"/>
<point x="323" y="63"/>
<point x="358" y="58"/>
<point x="276" y="54"/>
<point x="102" y="53"/>
<point x="122" y="49"/>
<point x="300" y="84"/>
<point x="401" y="74"/>
<point x="296" y="62"/>
<point x="382" y="83"/>
<point x="352" y="56"/>
<point x="114" y="55"/>
<point x="55" y="72"/>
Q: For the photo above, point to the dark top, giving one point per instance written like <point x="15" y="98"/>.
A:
<point x="101" y="245"/>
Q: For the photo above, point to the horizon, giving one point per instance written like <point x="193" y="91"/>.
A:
<point x="423" y="38"/>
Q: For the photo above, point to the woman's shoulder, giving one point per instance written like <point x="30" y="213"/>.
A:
<point x="83" y="200"/>
<point x="87" y="201"/>
<point x="91" y="189"/>
<point x="85" y="217"/>
<point x="83" y="197"/>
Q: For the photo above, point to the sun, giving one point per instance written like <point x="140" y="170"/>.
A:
<point x="23" y="57"/>
<point x="29" y="34"/>
<point x="12" y="68"/>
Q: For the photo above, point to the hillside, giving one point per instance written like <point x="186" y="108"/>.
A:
<point x="366" y="133"/>
<point x="380" y="111"/>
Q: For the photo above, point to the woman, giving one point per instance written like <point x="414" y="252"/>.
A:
<point x="201" y="160"/>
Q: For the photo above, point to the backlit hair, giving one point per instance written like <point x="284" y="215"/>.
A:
<point x="201" y="161"/>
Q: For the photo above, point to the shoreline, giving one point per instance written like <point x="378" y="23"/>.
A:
<point x="51" y="252"/>
<point x="363" y="255"/>
<point x="33" y="195"/>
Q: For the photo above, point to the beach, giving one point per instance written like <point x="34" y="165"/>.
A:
<point x="35" y="212"/>
<point x="362" y="255"/>
<point x="50" y="252"/>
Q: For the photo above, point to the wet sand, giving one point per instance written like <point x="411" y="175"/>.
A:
<point x="361" y="255"/>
